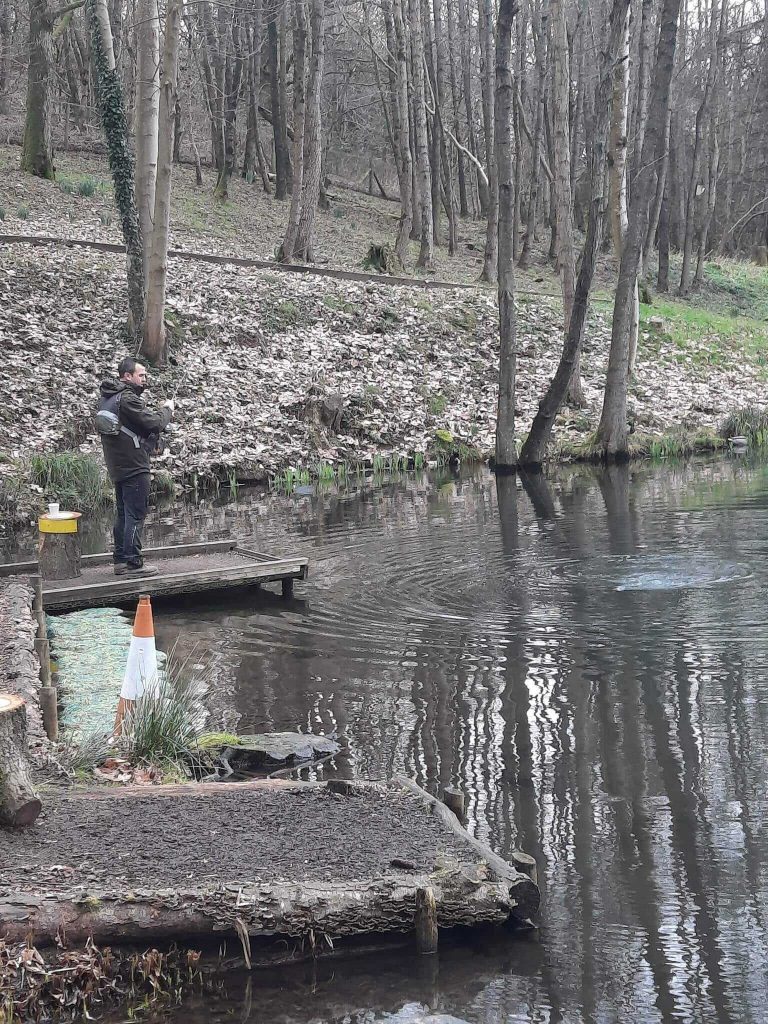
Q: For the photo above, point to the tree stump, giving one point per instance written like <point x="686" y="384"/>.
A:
<point x="60" y="549"/>
<point x="325" y="410"/>
<point x="19" y="804"/>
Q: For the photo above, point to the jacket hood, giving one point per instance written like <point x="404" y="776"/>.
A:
<point x="112" y="387"/>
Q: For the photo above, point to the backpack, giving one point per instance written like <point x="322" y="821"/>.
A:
<point x="107" y="419"/>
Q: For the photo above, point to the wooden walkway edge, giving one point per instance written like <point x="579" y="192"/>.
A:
<point x="184" y="569"/>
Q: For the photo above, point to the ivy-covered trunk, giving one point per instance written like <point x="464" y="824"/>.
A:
<point x="37" y="150"/>
<point x="109" y="96"/>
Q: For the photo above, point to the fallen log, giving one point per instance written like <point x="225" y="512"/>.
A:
<point x="19" y="804"/>
<point x="521" y="883"/>
<point x="371" y="889"/>
<point x="310" y="911"/>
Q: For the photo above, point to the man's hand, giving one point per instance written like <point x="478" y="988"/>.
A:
<point x="169" y="404"/>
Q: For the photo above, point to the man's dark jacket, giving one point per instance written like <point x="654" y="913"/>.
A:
<point x="123" y="458"/>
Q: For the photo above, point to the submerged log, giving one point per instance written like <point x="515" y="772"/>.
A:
<point x="19" y="804"/>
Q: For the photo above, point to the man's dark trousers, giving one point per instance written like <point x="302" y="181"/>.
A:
<point x="131" y="504"/>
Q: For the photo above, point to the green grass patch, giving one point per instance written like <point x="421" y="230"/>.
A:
<point x="76" y="481"/>
<point x="738" y="288"/>
<point x="437" y="404"/>
<point x="750" y="423"/>
<point x="674" y="444"/>
<point x="708" y="338"/>
<point x="335" y="302"/>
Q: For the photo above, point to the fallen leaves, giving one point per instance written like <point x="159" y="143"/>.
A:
<point x="249" y="346"/>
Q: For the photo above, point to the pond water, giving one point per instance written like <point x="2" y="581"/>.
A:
<point x="586" y="656"/>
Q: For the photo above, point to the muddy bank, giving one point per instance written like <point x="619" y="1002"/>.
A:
<point x="283" y="859"/>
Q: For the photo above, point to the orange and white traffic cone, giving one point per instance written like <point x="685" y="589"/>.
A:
<point x="141" y="670"/>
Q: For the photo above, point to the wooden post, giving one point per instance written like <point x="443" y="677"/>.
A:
<point x="38" y="606"/>
<point x="19" y="804"/>
<point x="287" y="589"/>
<point x="49" y="705"/>
<point x="43" y="648"/>
<point x="455" y="801"/>
<point x="59" y="548"/>
<point x="525" y="863"/>
<point x="426" y="921"/>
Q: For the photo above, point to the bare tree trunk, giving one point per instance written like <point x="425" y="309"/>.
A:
<point x="466" y="65"/>
<point x="535" y="447"/>
<point x="279" y="102"/>
<point x="506" y="447"/>
<point x="254" y="156"/>
<point x="566" y="246"/>
<point x="661" y="186"/>
<point x="426" y="250"/>
<point x="517" y="84"/>
<point x="612" y="430"/>
<point x="695" y="189"/>
<point x="398" y="49"/>
<point x="154" y="346"/>
<point x="299" y="114"/>
<point x="662" y="282"/>
<point x="146" y="116"/>
<point x="708" y="200"/>
<point x="490" y="260"/>
<point x="212" y="61"/>
<point x="234" y="65"/>
<point x="313" y="147"/>
<point x="434" y="129"/>
<point x="617" y="160"/>
<point x="457" y="126"/>
<point x="37" y="148"/>
<point x="440" y="107"/>
<point x="112" y="110"/>
<point x="540" y="35"/>
<point x="7" y="21"/>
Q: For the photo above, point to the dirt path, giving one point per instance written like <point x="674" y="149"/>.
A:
<point x="157" y="838"/>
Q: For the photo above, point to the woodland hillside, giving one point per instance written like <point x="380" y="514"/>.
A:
<point x="560" y="160"/>
<point x="258" y="356"/>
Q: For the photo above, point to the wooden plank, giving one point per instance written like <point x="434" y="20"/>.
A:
<point x="260" y="556"/>
<point x="171" y="551"/>
<point x="104" y="557"/>
<point x="18" y="569"/>
<point x="122" y="589"/>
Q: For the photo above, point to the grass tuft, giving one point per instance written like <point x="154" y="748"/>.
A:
<point x="749" y="422"/>
<point x="76" y="481"/>
<point x="163" y="727"/>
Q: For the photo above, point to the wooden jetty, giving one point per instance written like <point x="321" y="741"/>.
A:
<point x="184" y="569"/>
<point x="306" y="864"/>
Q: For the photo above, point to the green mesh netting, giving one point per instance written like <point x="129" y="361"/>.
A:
<point x="89" y="649"/>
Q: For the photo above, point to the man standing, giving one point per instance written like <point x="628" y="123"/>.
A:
<point x="129" y="434"/>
